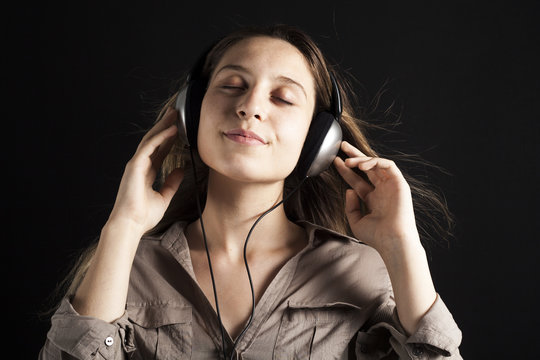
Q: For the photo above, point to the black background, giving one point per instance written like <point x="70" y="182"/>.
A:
<point x="81" y="81"/>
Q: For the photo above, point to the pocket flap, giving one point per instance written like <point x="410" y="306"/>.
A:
<point x="321" y="312"/>
<point x="322" y="305"/>
<point x="153" y="316"/>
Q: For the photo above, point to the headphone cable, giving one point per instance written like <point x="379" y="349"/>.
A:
<point x="247" y="266"/>
<point x="240" y="336"/>
<point x="207" y="251"/>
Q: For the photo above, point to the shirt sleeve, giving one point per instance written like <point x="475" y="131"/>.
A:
<point x="73" y="336"/>
<point x="437" y="335"/>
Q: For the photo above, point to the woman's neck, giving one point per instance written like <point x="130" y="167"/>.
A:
<point x="230" y="211"/>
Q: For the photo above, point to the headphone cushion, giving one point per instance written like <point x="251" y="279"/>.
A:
<point x="195" y="94"/>
<point x="318" y="130"/>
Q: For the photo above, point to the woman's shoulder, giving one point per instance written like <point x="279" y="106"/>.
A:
<point x="161" y="259"/>
<point x="323" y="240"/>
<point x="339" y="268"/>
<point x="170" y="237"/>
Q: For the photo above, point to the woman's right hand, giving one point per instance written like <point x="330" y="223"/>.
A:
<point x="137" y="203"/>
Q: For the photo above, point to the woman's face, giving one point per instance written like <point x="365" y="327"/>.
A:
<point x="257" y="110"/>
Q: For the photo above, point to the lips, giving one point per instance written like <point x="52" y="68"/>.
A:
<point x="245" y="137"/>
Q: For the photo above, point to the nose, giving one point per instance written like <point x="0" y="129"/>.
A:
<point x="244" y="115"/>
<point x="251" y="105"/>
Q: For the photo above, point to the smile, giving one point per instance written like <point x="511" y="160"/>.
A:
<point x="245" y="137"/>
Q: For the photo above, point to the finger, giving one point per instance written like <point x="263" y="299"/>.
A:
<point x="353" y="209"/>
<point x="355" y="158"/>
<point x="145" y="156"/>
<point x="382" y="168"/>
<point x="171" y="184"/>
<point x="355" y="181"/>
<point x="162" y="151"/>
<point x="379" y="169"/>
<point x="353" y="162"/>
<point x="168" y="119"/>
<point x="148" y="147"/>
<point x="351" y="150"/>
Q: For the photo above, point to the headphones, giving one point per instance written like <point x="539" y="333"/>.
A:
<point x="322" y="141"/>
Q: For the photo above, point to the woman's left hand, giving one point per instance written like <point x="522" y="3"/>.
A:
<point x="390" y="228"/>
<point x="390" y="220"/>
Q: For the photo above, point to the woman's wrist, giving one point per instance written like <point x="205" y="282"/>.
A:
<point x="405" y="259"/>
<point x="121" y="236"/>
<point x="408" y="268"/>
<point x="400" y="246"/>
<point x="130" y="228"/>
<point x="103" y="290"/>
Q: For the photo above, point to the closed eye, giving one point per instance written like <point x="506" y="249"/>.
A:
<point x="232" y="87"/>
<point x="281" y="100"/>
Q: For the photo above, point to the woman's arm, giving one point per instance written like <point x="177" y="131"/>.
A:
<point x="103" y="291"/>
<point x="390" y="228"/>
<point x="413" y="287"/>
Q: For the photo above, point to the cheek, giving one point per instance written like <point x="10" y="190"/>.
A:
<point x="214" y="111"/>
<point x="211" y="110"/>
<point x="292" y="141"/>
<point x="206" y="113"/>
<point x="293" y="137"/>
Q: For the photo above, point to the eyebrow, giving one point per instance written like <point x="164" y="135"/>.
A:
<point x="281" y="78"/>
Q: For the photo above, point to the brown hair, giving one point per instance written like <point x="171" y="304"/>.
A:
<point x="320" y="199"/>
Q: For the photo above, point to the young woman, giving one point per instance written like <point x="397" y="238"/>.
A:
<point x="336" y="272"/>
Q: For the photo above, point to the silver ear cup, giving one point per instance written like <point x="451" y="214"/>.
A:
<point x="327" y="151"/>
<point x="180" y="106"/>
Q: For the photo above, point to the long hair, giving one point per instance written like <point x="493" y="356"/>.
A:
<point x="320" y="199"/>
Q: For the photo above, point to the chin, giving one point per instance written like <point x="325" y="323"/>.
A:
<point x="248" y="168"/>
<point x="248" y="176"/>
<point x="248" y="173"/>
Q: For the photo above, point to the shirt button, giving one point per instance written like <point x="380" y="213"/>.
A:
<point x="417" y="350"/>
<point x="109" y="341"/>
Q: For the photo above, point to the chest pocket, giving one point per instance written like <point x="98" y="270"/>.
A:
<point x="317" y="332"/>
<point x="162" y="332"/>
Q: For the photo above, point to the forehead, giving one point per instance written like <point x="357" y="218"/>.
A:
<point x="266" y="55"/>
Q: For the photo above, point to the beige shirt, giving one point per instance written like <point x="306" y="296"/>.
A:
<point x="332" y="300"/>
